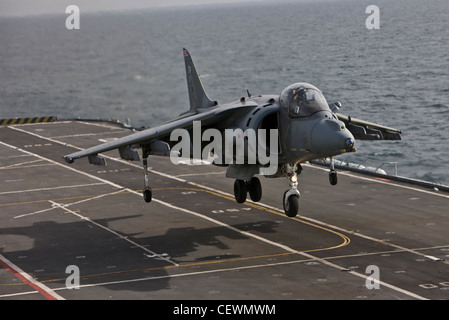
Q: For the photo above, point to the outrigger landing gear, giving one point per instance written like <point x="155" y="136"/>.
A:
<point x="147" y="193"/>
<point x="242" y="187"/>
<point x="333" y="177"/>
<point x="291" y="197"/>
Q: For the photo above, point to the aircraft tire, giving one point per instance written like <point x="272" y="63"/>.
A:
<point x="333" y="177"/>
<point x="292" y="207"/>
<point x="147" y="195"/>
<point x="255" y="189"/>
<point x="240" y="191"/>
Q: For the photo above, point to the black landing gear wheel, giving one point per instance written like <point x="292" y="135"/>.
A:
<point x="291" y="205"/>
<point x="147" y="195"/>
<point x="254" y="189"/>
<point x="333" y="177"/>
<point x="240" y="191"/>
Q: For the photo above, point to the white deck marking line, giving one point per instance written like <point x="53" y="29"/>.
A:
<point x="411" y="294"/>
<point x="18" y="156"/>
<point x="99" y="125"/>
<point x="19" y="164"/>
<point x="379" y="181"/>
<point x="67" y="205"/>
<point x="21" y="293"/>
<point x="200" y="174"/>
<point x="26" y="278"/>
<point x="53" y="188"/>
<point x="27" y="167"/>
<point x="86" y="134"/>
<point x="33" y="213"/>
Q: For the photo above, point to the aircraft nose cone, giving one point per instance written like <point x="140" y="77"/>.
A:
<point x="330" y="137"/>
<point x="350" y="143"/>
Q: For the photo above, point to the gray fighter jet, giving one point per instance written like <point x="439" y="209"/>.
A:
<point x="300" y="123"/>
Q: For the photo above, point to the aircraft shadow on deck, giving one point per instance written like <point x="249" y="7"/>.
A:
<point x="45" y="249"/>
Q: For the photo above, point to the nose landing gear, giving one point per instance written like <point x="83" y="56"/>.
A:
<point x="333" y="177"/>
<point x="291" y="197"/>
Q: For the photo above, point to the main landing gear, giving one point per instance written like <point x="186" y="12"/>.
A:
<point x="254" y="188"/>
<point x="291" y="197"/>
<point x="242" y="188"/>
<point x="147" y="193"/>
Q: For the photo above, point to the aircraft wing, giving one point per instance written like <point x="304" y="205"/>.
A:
<point x="364" y="130"/>
<point x="152" y="137"/>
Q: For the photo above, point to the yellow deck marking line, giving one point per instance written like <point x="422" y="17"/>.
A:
<point x="346" y="240"/>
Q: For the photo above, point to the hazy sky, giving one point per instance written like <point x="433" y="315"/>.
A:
<point x="27" y="7"/>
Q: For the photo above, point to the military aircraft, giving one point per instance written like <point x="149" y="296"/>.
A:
<point x="307" y="127"/>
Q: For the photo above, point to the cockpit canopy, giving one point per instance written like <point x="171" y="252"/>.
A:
<point x="302" y="100"/>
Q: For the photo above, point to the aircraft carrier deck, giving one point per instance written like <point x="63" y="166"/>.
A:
<point x="193" y="241"/>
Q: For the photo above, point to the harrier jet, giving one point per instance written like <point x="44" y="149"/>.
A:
<point x="270" y="135"/>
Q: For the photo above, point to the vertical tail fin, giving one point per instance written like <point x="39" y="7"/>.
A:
<point x="197" y="95"/>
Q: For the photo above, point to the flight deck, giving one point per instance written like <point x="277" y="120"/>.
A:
<point x="193" y="241"/>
